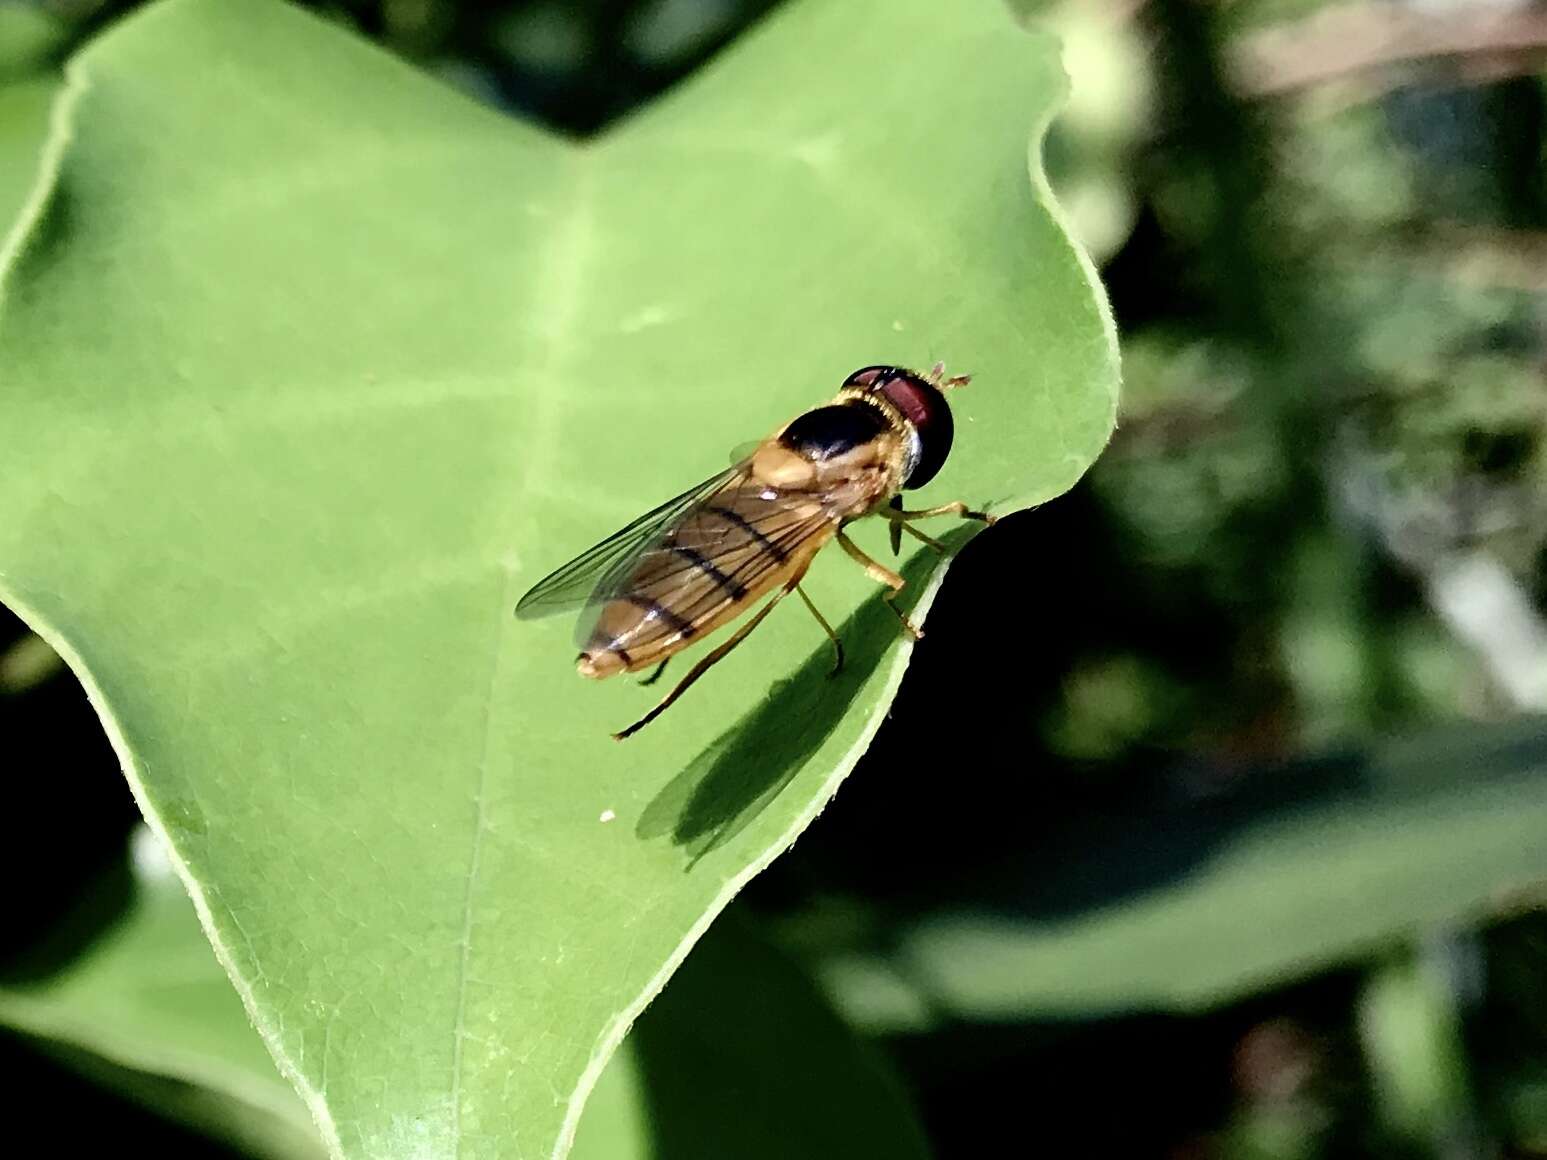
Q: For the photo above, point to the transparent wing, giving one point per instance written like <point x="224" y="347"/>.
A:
<point x="719" y="554"/>
<point x="570" y="587"/>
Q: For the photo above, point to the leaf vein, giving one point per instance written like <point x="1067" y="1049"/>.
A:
<point x="562" y="279"/>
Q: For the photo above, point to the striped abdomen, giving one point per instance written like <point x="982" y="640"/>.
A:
<point x="706" y="568"/>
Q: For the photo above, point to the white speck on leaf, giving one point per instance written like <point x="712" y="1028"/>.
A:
<point x="607" y="815"/>
<point x="821" y="153"/>
<point x="645" y="318"/>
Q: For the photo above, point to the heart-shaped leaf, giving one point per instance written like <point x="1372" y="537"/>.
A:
<point x="314" y="367"/>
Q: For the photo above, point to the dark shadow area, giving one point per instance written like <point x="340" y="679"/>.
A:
<point x="62" y="783"/>
<point x="90" y="913"/>
<point x="960" y="767"/>
<point x="735" y="778"/>
<point x="42" y="1081"/>
<point x="732" y="1021"/>
<point x="1118" y="1084"/>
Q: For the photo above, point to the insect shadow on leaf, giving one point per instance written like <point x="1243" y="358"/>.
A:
<point x="745" y="768"/>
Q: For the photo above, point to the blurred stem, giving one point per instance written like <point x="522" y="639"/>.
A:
<point x="1410" y="1016"/>
<point x="1218" y="144"/>
<point x="1265" y="295"/>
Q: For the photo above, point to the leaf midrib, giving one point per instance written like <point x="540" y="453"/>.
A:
<point x="565" y="269"/>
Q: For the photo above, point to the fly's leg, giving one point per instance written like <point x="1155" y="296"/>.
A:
<point x="898" y="528"/>
<point x="908" y="626"/>
<point x="828" y="629"/>
<point x="902" y="521"/>
<point x="895" y="513"/>
<point x="877" y="572"/>
<point x="655" y="675"/>
<point x="881" y="575"/>
<point x="707" y="663"/>
<point x="894" y="526"/>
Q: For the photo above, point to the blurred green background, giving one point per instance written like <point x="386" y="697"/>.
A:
<point x="1241" y="852"/>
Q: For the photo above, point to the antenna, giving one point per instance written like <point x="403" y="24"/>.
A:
<point x="937" y="377"/>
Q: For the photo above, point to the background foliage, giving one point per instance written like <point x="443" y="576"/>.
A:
<point x="1246" y="862"/>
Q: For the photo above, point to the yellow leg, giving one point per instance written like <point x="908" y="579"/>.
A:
<point x="881" y="575"/>
<point x="901" y="521"/>
<point x="918" y="535"/>
<point x="877" y="572"/>
<point x="707" y="662"/>
<point x="828" y="629"/>
<point x="956" y="508"/>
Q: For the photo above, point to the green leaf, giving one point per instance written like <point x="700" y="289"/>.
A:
<point x="705" y="1072"/>
<point x="1324" y="863"/>
<point x="323" y="365"/>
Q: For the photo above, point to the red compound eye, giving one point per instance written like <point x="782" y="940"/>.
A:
<point x="922" y="405"/>
<point x="867" y="378"/>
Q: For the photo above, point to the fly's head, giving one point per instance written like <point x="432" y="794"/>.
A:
<point x="918" y="402"/>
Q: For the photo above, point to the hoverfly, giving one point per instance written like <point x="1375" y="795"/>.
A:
<point x="677" y="573"/>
